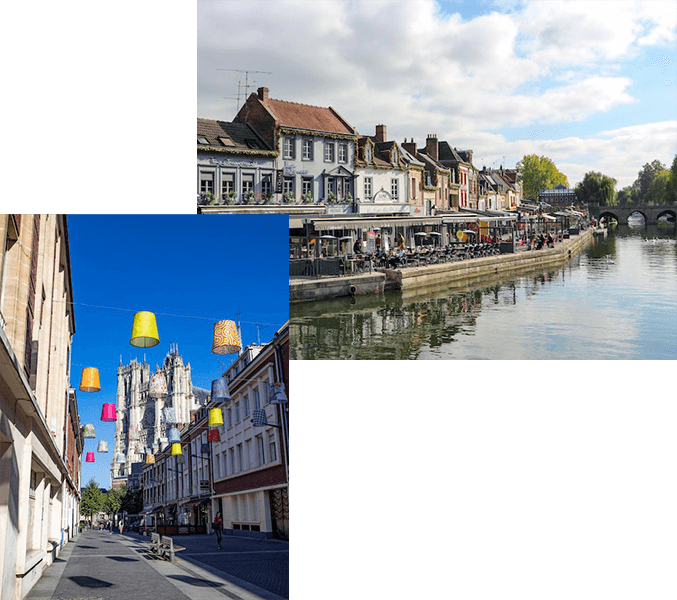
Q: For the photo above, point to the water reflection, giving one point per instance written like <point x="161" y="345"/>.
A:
<point x="616" y="300"/>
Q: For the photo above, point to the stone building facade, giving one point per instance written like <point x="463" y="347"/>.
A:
<point x="40" y="437"/>
<point x="141" y="423"/>
<point x="315" y="149"/>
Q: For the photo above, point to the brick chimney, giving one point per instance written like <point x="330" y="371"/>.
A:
<point x="409" y="146"/>
<point x="381" y="133"/>
<point x="263" y="93"/>
<point x="431" y="146"/>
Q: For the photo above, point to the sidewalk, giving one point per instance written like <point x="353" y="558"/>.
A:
<point x="98" y="565"/>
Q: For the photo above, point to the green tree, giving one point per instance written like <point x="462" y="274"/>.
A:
<point x="645" y="180"/>
<point x="597" y="188"/>
<point x="628" y="196"/>
<point x="539" y="172"/>
<point x="92" y="499"/>
<point x="656" y="194"/>
<point x="132" y="502"/>
<point x="113" y="500"/>
<point x="670" y="196"/>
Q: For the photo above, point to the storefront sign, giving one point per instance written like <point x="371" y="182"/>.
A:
<point x="231" y="162"/>
<point x="375" y="209"/>
<point x="279" y="178"/>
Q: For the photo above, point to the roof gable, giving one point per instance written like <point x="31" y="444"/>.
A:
<point x="304" y="116"/>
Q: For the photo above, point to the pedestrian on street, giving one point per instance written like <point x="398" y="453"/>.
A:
<point x="120" y="527"/>
<point x="218" y="526"/>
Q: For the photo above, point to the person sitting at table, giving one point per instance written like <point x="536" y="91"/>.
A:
<point x="396" y="259"/>
<point x="357" y="246"/>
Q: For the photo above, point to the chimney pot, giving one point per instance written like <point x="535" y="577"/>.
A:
<point x="381" y="133"/>
<point x="431" y="148"/>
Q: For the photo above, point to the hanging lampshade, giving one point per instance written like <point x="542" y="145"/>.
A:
<point x="180" y="459"/>
<point x="88" y="431"/>
<point x="150" y="458"/>
<point x="226" y="338"/>
<point x="259" y="418"/>
<point x="204" y="448"/>
<point x="215" y="417"/>
<point x="120" y="458"/>
<point x="108" y="412"/>
<point x="213" y="436"/>
<point x="144" y="330"/>
<point x="168" y="415"/>
<point x="174" y="436"/>
<point x="158" y="386"/>
<point x="156" y="447"/>
<point x="220" y="389"/>
<point x="276" y="393"/>
<point x="176" y="449"/>
<point x="89" y="381"/>
<point x="103" y="446"/>
<point x="90" y="457"/>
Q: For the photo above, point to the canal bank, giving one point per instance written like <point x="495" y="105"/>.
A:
<point x="412" y="278"/>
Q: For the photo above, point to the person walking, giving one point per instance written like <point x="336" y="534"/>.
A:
<point x="121" y="527"/>
<point x="218" y="527"/>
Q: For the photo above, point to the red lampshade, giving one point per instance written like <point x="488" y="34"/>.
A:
<point x="90" y="457"/>
<point x="213" y="436"/>
<point x="108" y="412"/>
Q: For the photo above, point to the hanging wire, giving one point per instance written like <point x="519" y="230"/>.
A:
<point x="164" y="314"/>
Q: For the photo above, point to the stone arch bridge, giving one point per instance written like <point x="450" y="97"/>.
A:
<point x="651" y="214"/>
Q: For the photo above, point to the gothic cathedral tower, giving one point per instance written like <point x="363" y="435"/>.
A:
<point x="140" y="424"/>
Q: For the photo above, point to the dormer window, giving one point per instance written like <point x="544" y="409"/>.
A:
<point x="203" y="141"/>
<point x="367" y="153"/>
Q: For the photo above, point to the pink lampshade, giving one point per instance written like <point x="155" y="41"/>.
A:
<point x="90" y="457"/>
<point x="108" y="412"/>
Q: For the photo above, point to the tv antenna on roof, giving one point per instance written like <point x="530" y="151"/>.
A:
<point x="246" y="84"/>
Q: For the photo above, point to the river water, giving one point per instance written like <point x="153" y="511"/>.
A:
<point x="615" y="300"/>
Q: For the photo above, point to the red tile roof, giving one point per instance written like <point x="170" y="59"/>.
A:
<point x="304" y="116"/>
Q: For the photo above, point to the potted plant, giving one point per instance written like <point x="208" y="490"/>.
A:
<point x="230" y="197"/>
<point x="249" y="197"/>
<point x="268" y="198"/>
<point x="308" y="197"/>
<point x="289" y="197"/>
<point x="349" y="197"/>
<point x="332" y="198"/>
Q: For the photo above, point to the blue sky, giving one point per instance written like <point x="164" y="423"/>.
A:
<point x="198" y="268"/>
<point x="590" y="84"/>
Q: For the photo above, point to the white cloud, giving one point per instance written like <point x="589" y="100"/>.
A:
<point x="420" y="71"/>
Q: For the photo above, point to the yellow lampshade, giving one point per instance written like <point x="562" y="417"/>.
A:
<point x="150" y="458"/>
<point x="144" y="330"/>
<point x="89" y="382"/>
<point x="215" y="417"/>
<point x="226" y="338"/>
<point x="176" y="449"/>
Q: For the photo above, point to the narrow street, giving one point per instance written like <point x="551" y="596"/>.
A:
<point x="99" y="565"/>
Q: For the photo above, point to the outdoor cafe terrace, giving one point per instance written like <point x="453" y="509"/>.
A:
<point x="334" y="247"/>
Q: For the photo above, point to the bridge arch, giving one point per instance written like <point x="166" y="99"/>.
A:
<point x="606" y="214"/>
<point x="668" y="212"/>
<point x="637" y="211"/>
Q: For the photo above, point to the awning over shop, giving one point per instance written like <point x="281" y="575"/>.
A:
<point x="190" y="503"/>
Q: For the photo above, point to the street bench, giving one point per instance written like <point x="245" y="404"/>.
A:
<point x="164" y="546"/>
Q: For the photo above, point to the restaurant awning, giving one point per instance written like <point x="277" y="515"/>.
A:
<point x="367" y="222"/>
